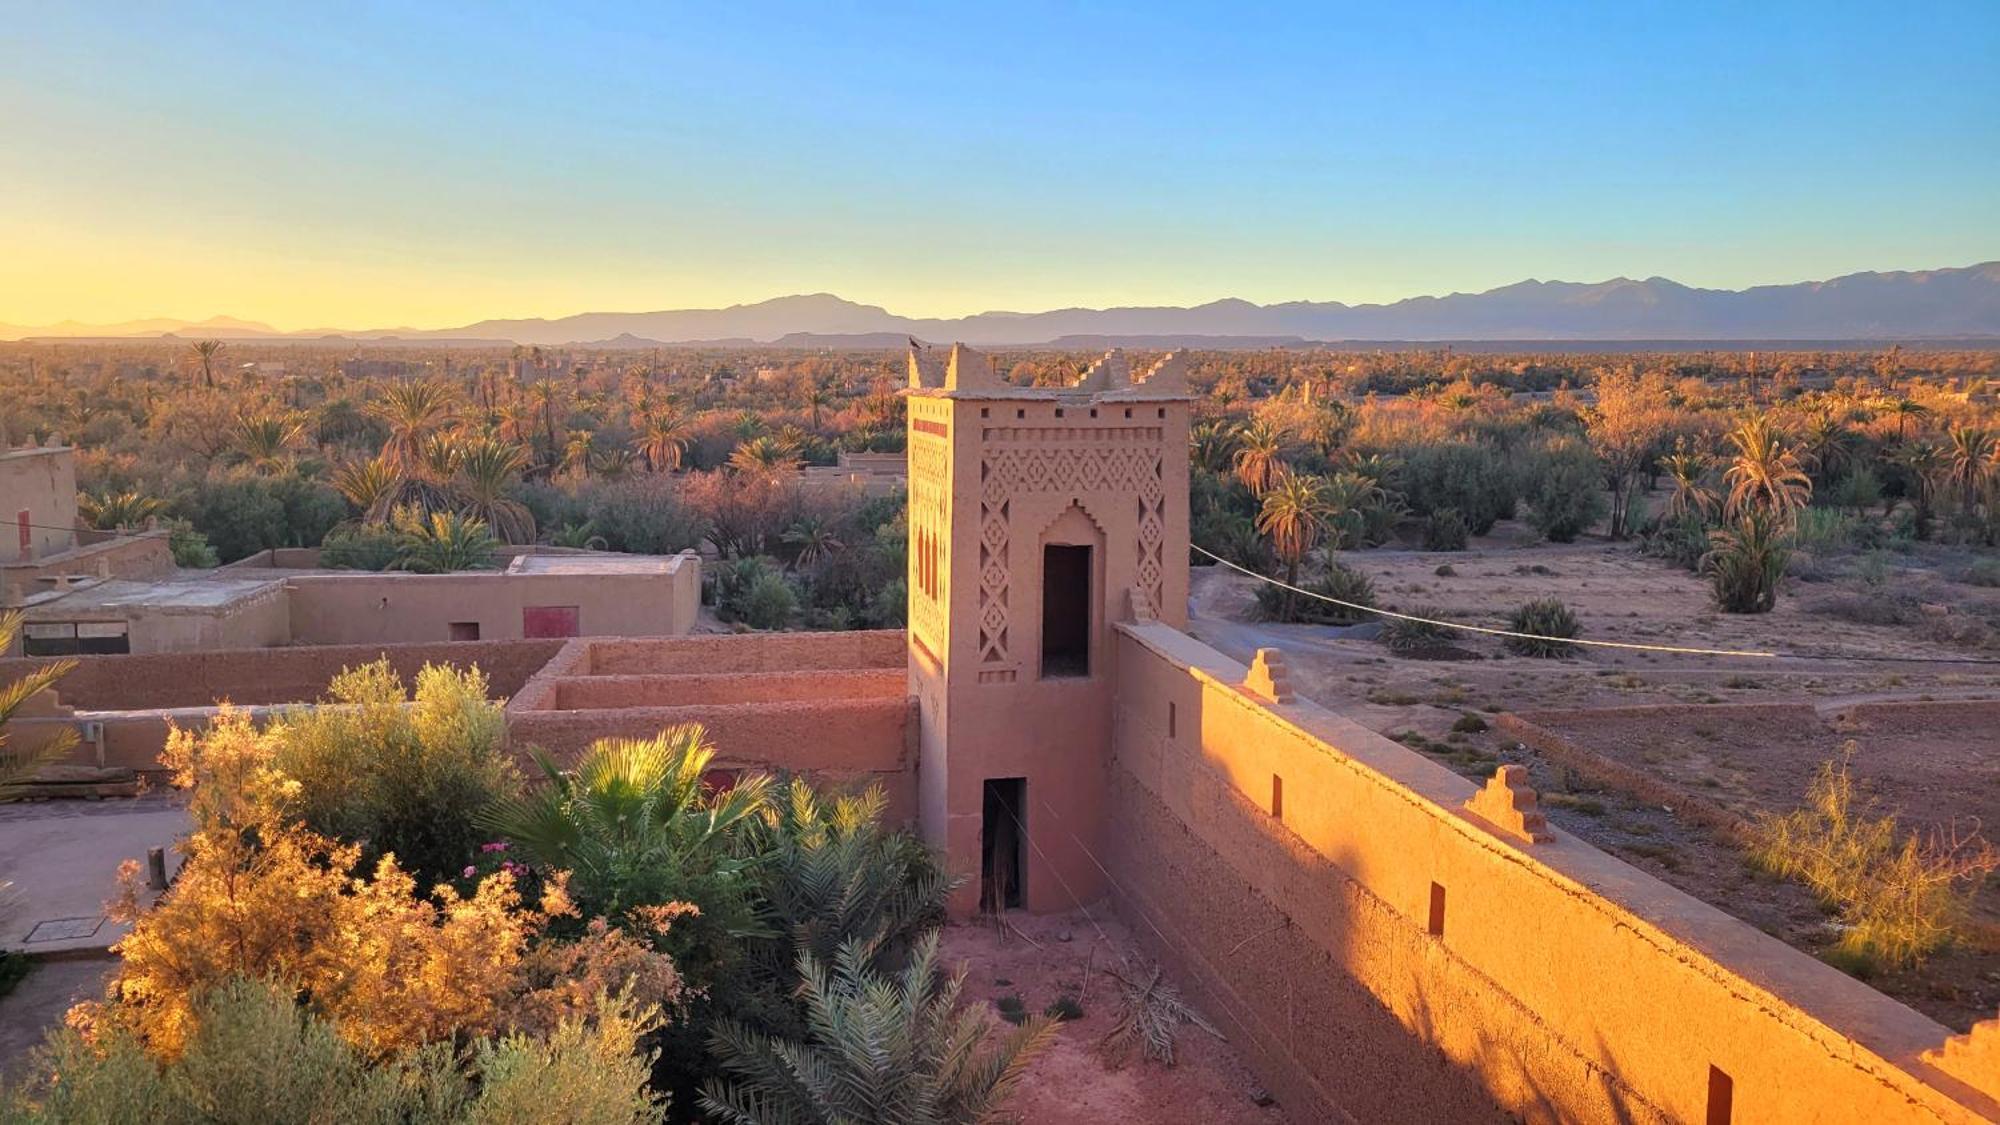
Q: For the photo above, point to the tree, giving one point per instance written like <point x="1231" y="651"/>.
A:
<point x="1294" y="518"/>
<point x="1692" y="497"/>
<point x="441" y="543"/>
<point x="764" y="455"/>
<point x="17" y="765"/>
<point x="663" y="440"/>
<point x="110" y="511"/>
<point x="1765" y="473"/>
<point x="1259" y="450"/>
<point x="204" y="353"/>
<point x="487" y="470"/>
<point x="1746" y="561"/>
<point x="264" y="441"/>
<point x="879" y="1049"/>
<point x="413" y="412"/>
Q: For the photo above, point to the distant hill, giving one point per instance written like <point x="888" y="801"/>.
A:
<point x="1963" y="302"/>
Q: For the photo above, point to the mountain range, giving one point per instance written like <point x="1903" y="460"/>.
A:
<point x="1942" y="303"/>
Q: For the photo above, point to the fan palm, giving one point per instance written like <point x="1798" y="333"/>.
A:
<point x="880" y="1049"/>
<point x="1765" y="472"/>
<point x="635" y="824"/>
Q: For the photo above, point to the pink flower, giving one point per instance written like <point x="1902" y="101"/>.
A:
<point x="470" y="871"/>
<point x="496" y="846"/>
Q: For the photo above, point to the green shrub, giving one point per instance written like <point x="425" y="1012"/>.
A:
<point x="1444" y="530"/>
<point x="1403" y="636"/>
<point x="881" y="1048"/>
<point x="1682" y="541"/>
<point x="1473" y="478"/>
<point x="644" y="515"/>
<point x="1064" y="1008"/>
<point x="400" y="772"/>
<point x="255" y="1056"/>
<point x="1566" y="496"/>
<point x="1548" y="621"/>
<point x="1469" y="723"/>
<point x="360" y="547"/>
<point x="243" y="513"/>
<point x="1338" y="581"/>
<point x="442" y="542"/>
<point x="1745" y="563"/>
<point x="1983" y="572"/>
<point x="754" y="591"/>
<point x="190" y="547"/>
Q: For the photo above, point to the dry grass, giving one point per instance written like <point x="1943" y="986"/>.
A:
<point x="1900" y="896"/>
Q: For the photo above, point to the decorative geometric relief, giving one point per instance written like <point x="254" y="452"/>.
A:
<point x="992" y="581"/>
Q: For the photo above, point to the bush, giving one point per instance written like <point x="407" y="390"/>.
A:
<point x="1983" y="572"/>
<point x="754" y="591"/>
<point x="1682" y="541"/>
<point x="1339" y="581"/>
<point x="190" y="547"/>
<point x="1444" y="530"/>
<point x="243" y="513"/>
<point x="644" y="515"/>
<point x="360" y="547"/>
<point x="1900" y="898"/>
<point x="1404" y="637"/>
<point x="403" y="774"/>
<point x="1745" y="562"/>
<point x="254" y="1056"/>
<point x="1566" y="496"/>
<point x="876" y="1042"/>
<point x="1548" y="621"/>
<point x="1475" y="479"/>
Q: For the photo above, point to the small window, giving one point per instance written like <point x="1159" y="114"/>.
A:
<point x="1277" y="797"/>
<point x="1172" y="720"/>
<point x="1059" y="411"/>
<point x="465" y="630"/>
<point x="1721" y="1096"/>
<point x="1066" y="611"/>
<point x="1436" y="926"/>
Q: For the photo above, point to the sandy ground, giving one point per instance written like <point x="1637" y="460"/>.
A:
<point x="38" y="1003"/>
<point x="1042" y="958"/>
<point x="1935" y="773"/>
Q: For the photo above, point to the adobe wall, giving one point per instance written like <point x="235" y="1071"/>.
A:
<point x="261" y="676"/>
<point x="831" y="706"/>
<point x="408" y="608"/>
<point x="42" y="482"/>
<point x="1560" y="984"/>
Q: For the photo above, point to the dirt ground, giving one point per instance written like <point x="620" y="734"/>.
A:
<point x="1934" y="771"/>
<point x="1040" y="959"/>
<point x="38" y="1003"/>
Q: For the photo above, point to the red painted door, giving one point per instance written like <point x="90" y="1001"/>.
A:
<point x="543" y="621"/>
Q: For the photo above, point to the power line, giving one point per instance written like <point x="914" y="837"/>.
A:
<point x="1630" y="646"/>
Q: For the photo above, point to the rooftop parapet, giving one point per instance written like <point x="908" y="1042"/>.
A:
<point x="964" y="372"/>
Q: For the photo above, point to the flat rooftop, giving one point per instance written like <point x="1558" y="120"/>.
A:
<point x="593" y="564"/>
<point x="193" y="591"/>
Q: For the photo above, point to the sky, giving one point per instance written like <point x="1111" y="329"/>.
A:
<point x="363" y="165"/>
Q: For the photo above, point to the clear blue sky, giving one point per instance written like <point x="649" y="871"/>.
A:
<point x="400" y="163"/>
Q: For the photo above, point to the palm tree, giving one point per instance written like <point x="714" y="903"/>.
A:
<point x="264" y="441"/>
<point x="16" y="766"/>
<point x="578" y="452"/>
<point x="1905" y="409"/>
<point x="1746" y="560"/>
<point x="635" y="823"/>
<point x="1213" y="445"/>
<point x="818" y="397"/>
<point x="614" y="463"/>
<point x="442" y="542"/>
<point x="1765" y="473"/>
<point x="1688" y="468"/>
<point x="1829" y="445"/>
<point x="1924" y="462"/>
<point x="1259" y="447"/>
<point x="205" y="352"/>
<point x="663" y="440"/>
<point x="1294" y="518"/>
<point x="815" y="540"/>
<point x="1970" y="455"/>
<point x="1349" y="498"/>
<point x="764" y="455"/>
<point x="413" y="412"/>
<point x="487" y="469"/>
<point x="370" y="486"/>
<point x="879" y="1049"/>
<point x="109" y="511"/>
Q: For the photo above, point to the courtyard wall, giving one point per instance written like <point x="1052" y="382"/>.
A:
<point x="1380" y="954"/>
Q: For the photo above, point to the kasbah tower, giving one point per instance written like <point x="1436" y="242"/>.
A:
<point x="1038" y="517"/>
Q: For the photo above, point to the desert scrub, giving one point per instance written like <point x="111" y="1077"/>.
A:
<point x="1745" y="561"/>
<point x="1983" y="572"/>
<point x="1401" y="635"/>
<point x="1445" y="530"/>
<point x="1549" y="622"/>
<point x="1900" y="896"/>
<point x="1340" y="582"/>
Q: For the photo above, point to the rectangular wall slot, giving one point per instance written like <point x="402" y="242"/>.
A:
<point x="1721" y="1096"/>
<point x="1277" y="797"/>
<point x="1436" y="925"/>
<point x="1172" y="721"/>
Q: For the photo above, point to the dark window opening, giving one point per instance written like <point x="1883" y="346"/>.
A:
<point x="464" y="630"/>
<point x="1277" y="797"/>
<point x="1173" y="720"/>
<point x="1065" y="611"/>
<point x="1002" y="824"/>
<point x="1436" y="926"/>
